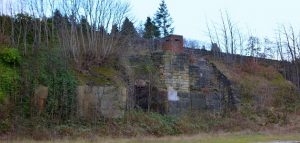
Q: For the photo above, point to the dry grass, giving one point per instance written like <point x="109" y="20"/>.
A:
<point x="200" y="138"/>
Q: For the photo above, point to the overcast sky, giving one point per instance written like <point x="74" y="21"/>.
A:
<point x="260" y="17"/>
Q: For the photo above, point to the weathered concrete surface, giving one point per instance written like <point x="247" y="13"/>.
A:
<point x="198" y="84"/>
<point x="101" y="101"/>
<point x="176" y="72"/>
<point x="40" y="97"/>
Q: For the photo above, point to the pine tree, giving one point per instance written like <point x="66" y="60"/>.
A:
<point x="58" y="18"/>
<point x="128" y="28"/>
<point x="163" y="20"/>
<point x="114" y="29"/>
<point x="150" y="30"/>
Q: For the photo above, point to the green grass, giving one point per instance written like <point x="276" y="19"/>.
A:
<point x="201" y="138"/>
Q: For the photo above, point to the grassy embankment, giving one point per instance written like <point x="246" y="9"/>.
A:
<point x="201" y="138"/>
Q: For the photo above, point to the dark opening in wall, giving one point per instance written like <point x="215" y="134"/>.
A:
<point x="154" y="102"/>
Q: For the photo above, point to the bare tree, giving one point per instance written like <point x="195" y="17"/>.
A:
<point x="231" y="32"/>
<point x="279" y="47"/>
<point x="225" y="33"/>
<point x="189" y="43"/>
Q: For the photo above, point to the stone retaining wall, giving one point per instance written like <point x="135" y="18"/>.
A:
<point x="101" y="101"/>
<point x="198" y="84"/>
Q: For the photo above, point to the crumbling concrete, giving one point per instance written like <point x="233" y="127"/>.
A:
<point x="101" y="101"/>
<point x="199" y="85"/>
<point x="40" y="97"/>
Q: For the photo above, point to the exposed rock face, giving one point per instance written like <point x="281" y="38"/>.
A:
<point x="101" y="101"/>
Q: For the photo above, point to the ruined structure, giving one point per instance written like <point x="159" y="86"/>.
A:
<point x="101" y="101"/>
<point x="40" y="97"/>
<point x="173" y="43"/>
<point x="191" y="82"/>
<point x="186" y="82"/>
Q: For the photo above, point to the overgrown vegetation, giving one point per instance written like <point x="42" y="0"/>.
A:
<point x="135" y="123"/>
<point x="203" y="138"/>
<point x="49" y="68"/>
<point x="65" y="50"/>
<point x="9" y="61"/>
<point x="266" y="97"/>
<point x="9" y="83"/>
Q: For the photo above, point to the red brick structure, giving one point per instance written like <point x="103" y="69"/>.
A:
<point x="173" y="43"/>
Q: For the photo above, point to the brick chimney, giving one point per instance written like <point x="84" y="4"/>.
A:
<point x="173" y="43"/>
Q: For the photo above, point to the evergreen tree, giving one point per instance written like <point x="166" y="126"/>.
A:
<point x="84" y="24"/>
<point x="83" y="21"/>
<point x="150" y="30"/>
<point x="102" y="31"/>
<point x="128" y="28"/>
<point x="114" y="30"/>
<point x="58" y="18"/>
<point x="163" y="20"/>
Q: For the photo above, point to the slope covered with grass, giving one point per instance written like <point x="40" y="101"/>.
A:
<point x="266" y="96"/>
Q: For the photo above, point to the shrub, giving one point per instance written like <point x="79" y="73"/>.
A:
<point x="153" y="123"/>
<point x="5" y="125"/>
<point x="10" y="56"/>
<point x="2" y="96"/>
<point x="9" y="82"/>
<point x="8" y="78"/>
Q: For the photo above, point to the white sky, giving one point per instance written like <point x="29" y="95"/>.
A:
<point x="261" y="17"/>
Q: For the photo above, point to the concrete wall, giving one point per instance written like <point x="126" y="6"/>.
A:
<point x="176" y="72"/>
<point x="101" y="101"/>
<point x="198" y="85"/>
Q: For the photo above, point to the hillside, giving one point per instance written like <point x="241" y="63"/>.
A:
<point x="220" y="96"/>
<point x="85" y="71"/>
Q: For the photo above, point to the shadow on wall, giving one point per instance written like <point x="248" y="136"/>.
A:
<point x="150" y="98"/>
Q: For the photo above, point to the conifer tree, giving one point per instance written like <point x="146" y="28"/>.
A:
<point x="128" y="28"/>
<point x="114" y="29"/>
<point x="151" y="30"/>
<point x="163" y="20"/>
